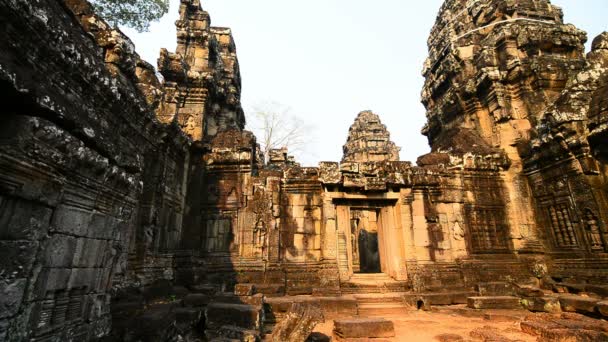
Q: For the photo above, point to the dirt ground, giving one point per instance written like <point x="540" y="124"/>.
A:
<point x="455" y="323"/>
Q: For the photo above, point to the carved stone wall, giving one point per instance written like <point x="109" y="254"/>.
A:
<point x="119" y="191"/>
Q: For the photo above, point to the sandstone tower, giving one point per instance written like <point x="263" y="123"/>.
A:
<point x="132" y="207"/>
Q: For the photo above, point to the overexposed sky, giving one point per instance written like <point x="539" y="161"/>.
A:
<point x="327" y="60"/>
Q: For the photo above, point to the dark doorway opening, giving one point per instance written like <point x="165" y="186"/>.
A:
<point x="369" y="255"/>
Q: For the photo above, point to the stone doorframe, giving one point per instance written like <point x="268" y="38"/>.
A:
<point x="390" y="236"/>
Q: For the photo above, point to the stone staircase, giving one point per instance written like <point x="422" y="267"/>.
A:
<point x="231" y="317"/>
<point x="380" y="304"/>
<point x="494" y="295"/>
<point x="361" y="283"/>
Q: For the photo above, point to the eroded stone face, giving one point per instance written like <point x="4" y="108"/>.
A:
<point x="122" y="197"/>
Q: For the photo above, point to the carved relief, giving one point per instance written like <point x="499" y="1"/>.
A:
<point x="562" y="226"/>
<point x="487" y="229"/>
<point x="593" y="231"/>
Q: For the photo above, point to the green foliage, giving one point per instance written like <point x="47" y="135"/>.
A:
<point x="132" y="13"/>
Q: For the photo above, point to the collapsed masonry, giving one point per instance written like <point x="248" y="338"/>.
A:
<point x="121" y="195"/>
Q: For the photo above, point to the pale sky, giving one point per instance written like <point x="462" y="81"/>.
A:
<point x="327" y="60"/>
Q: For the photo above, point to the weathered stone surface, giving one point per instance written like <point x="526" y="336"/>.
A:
<point x="369" y="141"/>
<point x="549" y="304"/>
<point x="364" y="328"/>
<point x="298" y="323"/>
<point x="119" y="189"/>
<point x="574" y="303"/>
<point x="489" y="334"/>
<point x="602" y="307"/>
<point x="494" y="302"/>
<point x="567" y="327"/>
<point x="449" y="338"/>
<point x="241" y="315"/>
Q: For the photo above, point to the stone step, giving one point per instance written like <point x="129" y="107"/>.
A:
<point x="381" y="309"/>
<point x="248" y="317"/>
<point x="233" y="333"/>
<point x="363" y="328"/>
<point x="424" y="300"/>
<point x="394" y="297"/>
<point x="495" y="289"/>
<point x="494" y="302"/>
<point x="360" y="287"/>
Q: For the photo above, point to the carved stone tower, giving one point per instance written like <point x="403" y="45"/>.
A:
<point x="369" y="140"/>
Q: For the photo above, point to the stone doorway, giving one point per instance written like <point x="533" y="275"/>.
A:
<point x="364" y="241"/>
<point x="369" y="239"/>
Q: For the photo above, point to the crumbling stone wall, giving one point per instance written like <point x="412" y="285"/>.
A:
<point x="91" y="180"/>
<point x="119" y="191"/>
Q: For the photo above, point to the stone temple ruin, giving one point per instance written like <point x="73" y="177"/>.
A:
<point x="135" y="209"/>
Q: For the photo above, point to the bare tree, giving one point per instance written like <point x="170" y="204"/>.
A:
<point x="276" y="128"/>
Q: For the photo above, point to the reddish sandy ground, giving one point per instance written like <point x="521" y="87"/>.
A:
<point x="455" y="320"/>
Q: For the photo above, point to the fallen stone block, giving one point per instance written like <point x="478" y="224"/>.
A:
<point x="574" y="303"/>
<point x="495" y="289"/>
<point x="600" y="290"/>
<point x="541" y="304"/>
<point x="537" y="328"/>
<point x="233" y="333"/>
<point x="244" y="289"/>
<point x="239" y="315"/>
<point x="187" y="318"/>
<point x="529" y="291"/>
<point x="196" y="300"/>
<point x="573" y="335"/>
<point x="489" y="334"/>
<point x="448" y="338"/>
<point x="494" y="302"/>
<point x="298" y="323"/>
<point x="364" y="328"/>
<point x="602" y="307"/>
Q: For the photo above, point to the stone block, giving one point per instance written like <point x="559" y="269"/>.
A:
<point x="494" y="302"/>
<point x="85" y="277"/>
<point x="17" y="258"/>
<point x="232" y="333"/>
<point x="529" y="291"/>
<point x="600" y="290"/>
<point x="102" y="226"/>
<point x="602" y="307"/>
<point x="542" y="304"/>
<point x="336" y="307"/>
<point x="244" y="289"/>
<point x="156" y="320"/>
<point x="11" y="296"/>
<point x="23" y="220"/>
<point x="59" y="251"/>
<point x="488" y="333"/>
<point x="51" y="279"/>
<point x="364" y="328"/>
<point x="89" y="252"/>
<point x="297" y="324"/>
<point x="574" y="303"/>
<point x="495" y="289"/>
<point x="240" y="315"/>
<point x="448" y="338"/>
<point x="187" y="318"/>
<point x="70" y="220"/>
